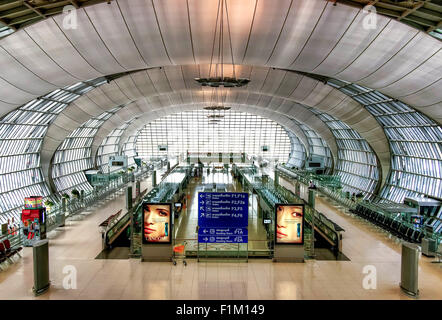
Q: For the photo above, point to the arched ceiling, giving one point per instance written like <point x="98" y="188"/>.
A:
<point x="312" y="36"/>
<point x="145" y="112"/>
<point x="283" y="92"/>
<point x="306" y="35"/>
<point x="142" y="120"/>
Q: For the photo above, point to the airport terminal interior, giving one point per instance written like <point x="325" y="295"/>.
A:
<point x="221" y="149"/>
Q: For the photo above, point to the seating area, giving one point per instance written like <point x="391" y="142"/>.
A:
<point x="394" y="226"/>
<point x="8" y="254"/>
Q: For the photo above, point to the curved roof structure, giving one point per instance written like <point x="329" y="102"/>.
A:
<point x="292" y="52"/>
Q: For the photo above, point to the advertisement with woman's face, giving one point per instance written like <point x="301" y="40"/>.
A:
<point x="289" y="223"/>
<point x="157" y="222"/>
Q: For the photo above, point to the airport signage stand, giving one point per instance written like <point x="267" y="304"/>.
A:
<point x="223" y="218"/>
<point x="41" y="267"/>
<point x="312" y="203"/>
<point x="289" y="233"/>
<point x="157" y="250"/>
<point x="33" y="219"/>
<point x="410" y="269"/>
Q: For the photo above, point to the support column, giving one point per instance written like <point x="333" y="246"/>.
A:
<point x="154" y="178"/>
<point x="129" y="197"/>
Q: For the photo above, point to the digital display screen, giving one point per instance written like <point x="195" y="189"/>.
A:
<point x="289" y="224"/>
<point x="117" y="163"/>
<point x="267" y="221"/>
<point x="177" y="205"/>
<point x="314" y="164"/>
<point x="157" y="223"/>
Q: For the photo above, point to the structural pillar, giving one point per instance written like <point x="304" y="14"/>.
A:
<point x="129" y="197"/>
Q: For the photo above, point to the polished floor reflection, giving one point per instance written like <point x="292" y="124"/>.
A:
<point x="76" y="246"/>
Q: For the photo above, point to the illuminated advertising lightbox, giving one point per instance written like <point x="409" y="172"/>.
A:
<point x="289" y="223"/>
<point x="157" y="223"/>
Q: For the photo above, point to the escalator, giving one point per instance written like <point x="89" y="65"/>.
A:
<point x="119" y="232"/>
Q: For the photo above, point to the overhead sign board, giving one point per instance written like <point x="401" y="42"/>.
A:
<point x="223" y="217"/>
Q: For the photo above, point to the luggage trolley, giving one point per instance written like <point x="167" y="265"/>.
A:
<point x="179" y="253"/>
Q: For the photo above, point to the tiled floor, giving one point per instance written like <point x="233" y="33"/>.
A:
<point x="80" y="241"/>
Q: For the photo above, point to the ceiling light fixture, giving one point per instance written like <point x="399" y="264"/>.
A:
<point x="214" y="79"/>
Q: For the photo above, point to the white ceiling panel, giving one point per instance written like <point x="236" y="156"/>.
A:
<point x="139" y="16"/>
<point x="392" y="39"/>
<point x="273" y="81"/>
<point x="129" y="87"/>
<point x="318" y="94"/>
<point x="29" y="54"/>
<point x="267" y="24"/>
<point x="300" y="23"/>
<point x="50" y="37"/>
<point x="290" y="81"/>
<point x="202" y="23"/>
<point x="113" y="92"/>
<point x="144" y="83"/>
<point x="240" y="20"/>
<point x="303" y="89"/>
<point x="175" y="78"/>
<point x="424" y="76"/>
<point x="17" y="75"/>
<point x="427" y="96"/>
<point x="109" y="23"/>
<point x="5" y="108"/>
<point x="351" y="45"/>
<point x="98" y="97"/>
<point x="404" y="62"/>
<point x="159" y="79"/>
<point x="12" y="95"/>
<point x="89" y="44"/>
<point x="86" y="105"/>
<point x="257" y="78"/>
<point x="333" y="23"/>
<point x="174" y="25"/>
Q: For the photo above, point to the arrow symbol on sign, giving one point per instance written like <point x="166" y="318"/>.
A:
<point x="205" y="239"/>
<point x="205" y="231"/>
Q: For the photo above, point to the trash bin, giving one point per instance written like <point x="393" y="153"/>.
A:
<point x="429" y="247"/>
<point x="410" y="269"/>
<point x="41" y="266"/>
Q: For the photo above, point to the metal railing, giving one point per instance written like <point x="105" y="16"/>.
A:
<point x="375" y="204"/>
<point x="273" y="194"/>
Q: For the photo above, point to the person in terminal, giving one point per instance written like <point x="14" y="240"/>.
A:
<point x="157" y="223"/>
<point x="311" y="185"/>
<point x="289" y="224"/>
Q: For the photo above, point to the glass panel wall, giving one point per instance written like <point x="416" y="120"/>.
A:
<point x="357" y="163"/>
<point x="21" y="136"/>
<point x="317" y="145"/>
<point x="297" y="155"/>
<point x="73" y="156"/>
<point x="415" y="143"/>
<point x="109" y="147"/>
<point x="203" y="131"/>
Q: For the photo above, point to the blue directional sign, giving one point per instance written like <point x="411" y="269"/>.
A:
<point x="223" y="217"/>
<point x="224" y="231"/>
<point x="222" y="239"/>
<point x="223" y="209"/>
